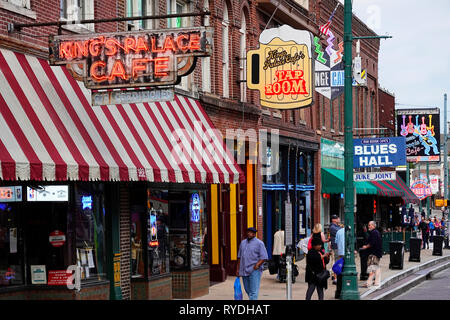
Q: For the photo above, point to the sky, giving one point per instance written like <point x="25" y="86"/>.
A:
<point x="415" y="63"/>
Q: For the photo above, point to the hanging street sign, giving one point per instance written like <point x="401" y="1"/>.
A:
<point x="146" y="58"/>
<point x="282" y="69"/>
<point x="421" y="129"/>
<point x="329" y="72"/>
<point x="421" y="189"/>
<point x="374" y="176"/>
<point x="379" y="152"/>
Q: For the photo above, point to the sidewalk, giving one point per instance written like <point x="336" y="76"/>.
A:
<point x="271" y="289"/>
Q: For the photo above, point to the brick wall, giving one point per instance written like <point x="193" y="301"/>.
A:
<point x="387" y="110"/>
<point x="125" y="240"/>
<point x="35" y="39"/>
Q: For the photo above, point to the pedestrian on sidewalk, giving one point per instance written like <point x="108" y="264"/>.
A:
<point x="425" y="233"/>
<point x="334" y="227"/>
<point x="315" y="264"/>
<point x="363" y="255"/>
<point x="252" y="254"/>
<point x="432" y="229"/>
<point x="318" y="234"/>
<point x="278" y="249"/>
<point x="374" y="248"/>
<point x="437" y="226"/>
<point x="340" y="242"/>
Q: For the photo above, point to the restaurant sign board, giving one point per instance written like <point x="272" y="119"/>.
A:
<point x="146" y="58"/>
<point x="421" y="189"/>
<point x="421" y="129"/>
<point x="282" y="68"/>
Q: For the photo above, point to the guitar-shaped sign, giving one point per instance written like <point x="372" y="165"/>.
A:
<point x="417" y="127"/>
<point x="404" y="131"/>
<point x="423" y="127"/>
<point x="410" y="126"/>
<point x="431" y="127"/>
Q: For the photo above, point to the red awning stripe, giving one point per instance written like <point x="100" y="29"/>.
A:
<point x="51" y="132"/>
<point x="84" y="142"/>
<point x="409" y="195"/>
<point x="395" y="188"/>
<point x="200" y="140"/>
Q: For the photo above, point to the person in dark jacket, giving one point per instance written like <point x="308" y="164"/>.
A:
<point x="363" y="254"/>
<point x="423" y="226"/>
<point x="315" y="264"/>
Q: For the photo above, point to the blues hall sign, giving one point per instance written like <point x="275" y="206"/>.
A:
<point x="379" y="152"/>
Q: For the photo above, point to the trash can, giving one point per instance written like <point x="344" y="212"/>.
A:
<point x="437" y="245"/>
<point x="396" y="252"/>
<point x="414" y="249"/>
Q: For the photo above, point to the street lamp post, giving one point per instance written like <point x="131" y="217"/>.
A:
<point x="349" y="274"/>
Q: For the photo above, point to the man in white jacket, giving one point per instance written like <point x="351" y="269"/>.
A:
<point x="278" y="248"/>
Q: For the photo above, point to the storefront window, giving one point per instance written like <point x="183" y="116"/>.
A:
<point x="310" y="169"/>
<point x="157" y="232"/>
<point x="138" y="213"/>
<point x="90" y="232"/>
<point x="302" y="169"/>
<point x="11" y="263"/>
<point x="198" y="229"/>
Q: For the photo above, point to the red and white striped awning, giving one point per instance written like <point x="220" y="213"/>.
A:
<point x="49" y="131"/>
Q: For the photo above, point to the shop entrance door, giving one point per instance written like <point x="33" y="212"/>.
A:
<point x="40" y="220"/>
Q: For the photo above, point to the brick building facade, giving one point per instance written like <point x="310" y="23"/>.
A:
<point x="218" y="83"/>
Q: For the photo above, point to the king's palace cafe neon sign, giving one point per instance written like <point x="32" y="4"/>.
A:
<point x="131" y="59"/>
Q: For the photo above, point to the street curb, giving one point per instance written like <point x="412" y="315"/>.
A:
<point x="392" y="280"/>
<point x="414" y="282"/>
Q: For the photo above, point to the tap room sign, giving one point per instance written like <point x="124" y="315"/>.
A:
<point x="379" y="152"/>
<point x="421" y="129"/>
<point x="149" y="58"/>
<point x="282" y="68"/>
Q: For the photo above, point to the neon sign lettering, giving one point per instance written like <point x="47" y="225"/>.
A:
<point x="182" y="43"/>
<point x="131" y="59"/>
<point x="86" y="202"/>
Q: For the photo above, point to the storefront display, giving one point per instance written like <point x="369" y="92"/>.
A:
<point x="89" y="233"/>
<point x="11" y="259"/>
<point x="198" y="229"/>
<point x="175" y="226"/>
<point x="50" y="228"/>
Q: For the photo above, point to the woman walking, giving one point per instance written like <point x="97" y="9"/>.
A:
<point x="319" y="235"/>
<point x="315" y="265"/>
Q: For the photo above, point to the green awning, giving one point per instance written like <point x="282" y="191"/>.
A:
<point x="333" y="182"/>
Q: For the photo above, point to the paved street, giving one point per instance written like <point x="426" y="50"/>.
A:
<point x="436" y="288"/>
<point x="273" y="290"/>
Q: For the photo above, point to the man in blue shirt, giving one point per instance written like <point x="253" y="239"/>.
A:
<point x="334" y="227"/>
<point x="252" y="254"/>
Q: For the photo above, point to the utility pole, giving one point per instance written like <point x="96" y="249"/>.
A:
<point x="445" y="150"/>
<point x="349" y="273"/>
<point x="428" y="198"/>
